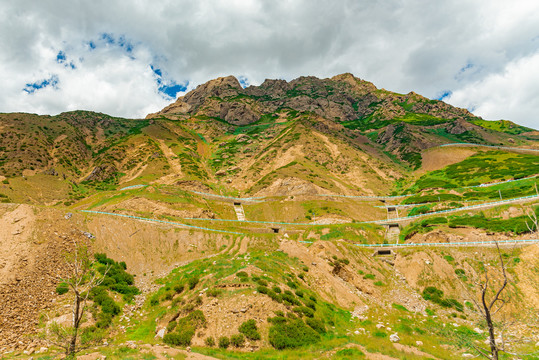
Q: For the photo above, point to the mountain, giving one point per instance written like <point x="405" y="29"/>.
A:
<point x="271" y="210"/>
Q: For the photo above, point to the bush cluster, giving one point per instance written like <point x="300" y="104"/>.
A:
<point x="291" y="334"/>
<point x="224" y="342"/>
<point x="182" y="333"/>
<point x="62" y="288"/>
<point x="249" y="329"/>
<point x="117" y="278"/>
<point x="437" y="296"/>
<point x="237" y="340"/>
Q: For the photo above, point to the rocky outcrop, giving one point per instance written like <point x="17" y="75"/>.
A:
<point x="458" y="127"/>
<point x="341" y="98"/>
<point x="102" y="173"/>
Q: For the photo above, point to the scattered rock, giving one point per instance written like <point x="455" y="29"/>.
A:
<point x="160" y="333"/>
<point x="394" y="337"/>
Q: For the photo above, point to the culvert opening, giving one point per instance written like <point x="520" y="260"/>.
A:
<point x="275" y="230"/>
<point x="383" y="252"/>
<point x="236" y="203"/>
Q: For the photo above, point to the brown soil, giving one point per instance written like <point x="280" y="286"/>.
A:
<point x="136" y="205"/>
<point x="291" y="187"/>
<point x="528" y="275"/>
<point x="438" y="158"/>
<point x="31" y="263"/>
<point x="175" y="165"/>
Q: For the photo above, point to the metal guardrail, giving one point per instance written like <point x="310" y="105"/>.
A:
<point x="455" y="210"/>
<point x="229" y="197"/>
<point x="490" y="146"/>
<point x="464" y="243"/>
<point x="160" y="221"/>
<point x="501" y="182"/>
<point x="367" y="197"/>
<point x="133" y="187"/>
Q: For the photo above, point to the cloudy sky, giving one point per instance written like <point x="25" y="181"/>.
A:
<point x="129" y="58"/>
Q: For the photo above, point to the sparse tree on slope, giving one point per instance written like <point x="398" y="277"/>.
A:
<point x="81" y="279"/>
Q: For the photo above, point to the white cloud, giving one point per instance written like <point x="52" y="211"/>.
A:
<point x="511" y="94"/>
<point x="420" y="45"/>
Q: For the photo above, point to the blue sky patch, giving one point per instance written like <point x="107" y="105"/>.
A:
<point x="108" y="38"/>
<point x="244" y="81"/>
<point x="168" y="88"/>
<point x="171" y="90"/>
<point x="62" y="59"/>
<point x="444" y="94"/>
<point x="156" y="71"/>
<point x="31" y="88"/>
<point x="126" y="44"/>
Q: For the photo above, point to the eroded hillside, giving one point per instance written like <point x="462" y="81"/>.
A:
<point x="317" y="218"/>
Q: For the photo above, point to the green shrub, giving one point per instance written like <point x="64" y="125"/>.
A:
<point x="378" y="283"/>
<point x="288" y="298"/>
<point x="349" y="354"/>
<point x="369" y="276"/>
<point x="399" y="307"/>
<point x="277" y="289"/>
<point x="249" y="329"/>
<point x="310" y="304"/>
<point x="449" y="258"/>
<point x="103" y="320"/>
<point x="171" y="326"/>
<point x="291" y="335"/>
<point x="262" y="282"/>
<point x="380" y="334"/>
<point x="168" y="295"/>
<point x="317" y="325"/>
<point x="242" y="274"/>
<point x="62" y="288"/>
<point x="215" y="292"/>
<point x="224" y="342"/>
<point x="209" y="341"/>
<point x="299" y="293"/>
<point x="182" y="338"/>
<point x="196" y="318"/>
<point x="292" y="285"/>
<point x="178" y="288"/>
<point x="304" y="310"/>
<point x="154" y="300"/>
<point x="433" y="294"/>
<point x="277" y="320"/>
<point x="275" y="297"/>
<point x="193" y="282"/>
<point x="237" y="340"/>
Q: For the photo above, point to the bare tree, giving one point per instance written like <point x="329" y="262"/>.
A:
<point x="489" y="295"/>
<point x="81" y="279"/>
<point x="532" y="223"/>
